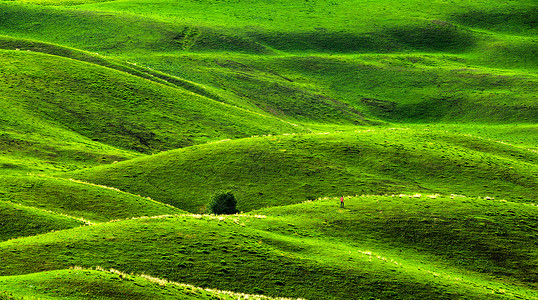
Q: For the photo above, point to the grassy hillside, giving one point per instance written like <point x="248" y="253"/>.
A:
<point x="79" y="199"/>
<point x="267" y="171"/>
<point x="118" y="109"/>
<point x="318" y="25"/>
<point x="18" y="220"/>
<point x="10" y="43"/>
<point x="332" y="253"/>
<point x="78" y="283"/>
<point x="461" y="232"/>
<point x="389" y="60"/>
<point x="31" y="144"/>
<point x="119" y="117"/>
<point x="414" y="88"/>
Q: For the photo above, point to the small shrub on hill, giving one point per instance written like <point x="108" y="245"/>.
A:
<point x="223" y="203"/>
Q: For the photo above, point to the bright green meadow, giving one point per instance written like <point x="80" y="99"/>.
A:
<point x="121" y="119"/>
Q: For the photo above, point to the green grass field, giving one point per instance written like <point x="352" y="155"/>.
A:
<point x="285" y="169"/>
<point x="120" y="119"/>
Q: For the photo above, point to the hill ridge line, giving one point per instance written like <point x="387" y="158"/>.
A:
<point x="116" y="190"/>
<point x="104" y="61"/>
<point x="85" y="221"/>
<point x="127" y="67"/>
<point x="132" y="69"/>
<point x="292" y="134"/>
<point x="100" y="186"/>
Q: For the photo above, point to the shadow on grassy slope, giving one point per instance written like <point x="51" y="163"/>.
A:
<point x="437" y="36"/>
<point x="351" y="89"/>
<point x="419" y="88"/>
<point x="113" y="32"/>
<point x="513" y="21"/>
<point x="448" y="108"/>
<point x="482" y="235"/>
<point x="108" y="32"/>
<point x="288" y="100"/>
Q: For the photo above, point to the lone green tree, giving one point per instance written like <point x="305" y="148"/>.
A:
<point x="223" y="203"/>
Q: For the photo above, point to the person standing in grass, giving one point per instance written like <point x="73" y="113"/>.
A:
<point x="342" y="201"/>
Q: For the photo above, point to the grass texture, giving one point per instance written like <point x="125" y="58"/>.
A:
<point x="340" y="251"/>
<point x="273" y="170"/>
<point x="119" y="120"/>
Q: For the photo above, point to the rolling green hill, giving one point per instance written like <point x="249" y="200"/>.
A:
<point x="273" y="170"/>
<point x="81" y="283"/>
<point x="332" y="253"/>
<point x="441" y="64"/>
<point x="79" y="199"/>
<point x="118" y="109"/>
<point x="120" y="119"/>
<point x="18" y="220"/>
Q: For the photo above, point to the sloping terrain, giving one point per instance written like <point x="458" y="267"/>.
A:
<point x="267" y="171"/>
<point x="79" y="199"/>
<point x="18" y="220"/>
<point x="455" y="68"/>
<point x="333" y="253"/>
<point x="119" y="109"/>
<point x="120" y="119"/>
<point x="82" y="283"/>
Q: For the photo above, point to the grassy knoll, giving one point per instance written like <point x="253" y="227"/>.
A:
<point x="80" y="283"/>
<point x="332" y="253"/>
<point x="274" y="170"/>
<point x="78" y="199"/>
<point x="18" y="220"/>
